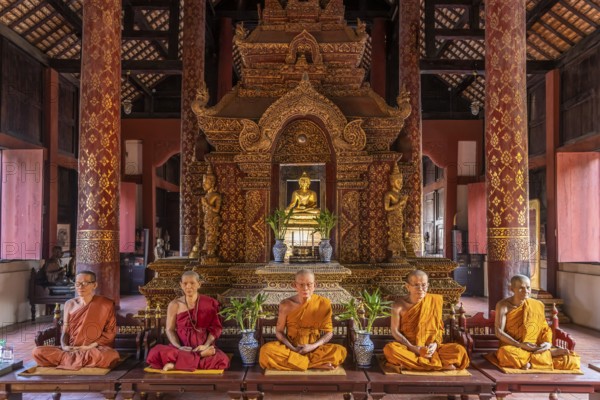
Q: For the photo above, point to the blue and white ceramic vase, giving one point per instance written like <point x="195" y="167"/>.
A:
<point x="363" y="349"/>
<point x="279" y="249"/>
<point x="248" y="347"/>
<point x="325" y="250"/>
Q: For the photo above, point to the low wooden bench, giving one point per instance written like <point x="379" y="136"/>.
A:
<point x="352" y="385"/>
<point x="480" y="336"/>
<point x="381" y="384"/>
<point x="49" y="294"/>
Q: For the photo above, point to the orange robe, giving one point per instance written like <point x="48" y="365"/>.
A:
<point x="422" y="325"/>
<point x="305" y="325"/>
<point x="95" y="322"/>
<point x="527" y="323"/>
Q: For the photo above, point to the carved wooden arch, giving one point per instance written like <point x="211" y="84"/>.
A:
<point x="301" y="102"/>
<point x="304" y="42"/>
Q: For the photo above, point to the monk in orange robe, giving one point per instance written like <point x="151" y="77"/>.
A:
<point x="525" y="337"/>
<point x="89" y="330"/>
<point x="418" y="327"/>
<point x="192" y="327"/>
<point x="307" y="319"/>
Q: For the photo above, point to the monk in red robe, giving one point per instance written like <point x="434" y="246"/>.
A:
<point x="417" y="326"/>
<point x="89" y="329"/>
<point x="303" y="330"/>
<point x="193" y="325"/>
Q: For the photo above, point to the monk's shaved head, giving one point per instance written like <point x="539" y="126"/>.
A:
<point x="519" y="279"/>
<point x="304" y="272"/>
<point x="417" y="273"/>
<point x="191" y="273"/>
<point x="91" y="274"/>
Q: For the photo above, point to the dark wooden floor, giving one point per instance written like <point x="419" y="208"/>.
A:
<point x="21" y="336"/>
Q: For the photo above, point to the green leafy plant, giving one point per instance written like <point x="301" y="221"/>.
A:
<point x="278" y="221"/>
<point x="326" y="220"/>
<point x="370" y="307"/>
<point x="246" y="312"/>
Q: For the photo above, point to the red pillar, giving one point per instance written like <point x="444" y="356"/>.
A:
<point x="506" y="145"/>
<point x="149" y="194"/>
<point x="51" y="192"/>
<point x="192" y="79"/>
<point x="409" y="23"/>
<point x="552" y="140"/>
<point x="378" y="56"/>
<point x="99" y="145"/>
<point x="225" y="57"/>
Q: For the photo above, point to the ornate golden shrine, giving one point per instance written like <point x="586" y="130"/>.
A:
<point x="302" y="100"/>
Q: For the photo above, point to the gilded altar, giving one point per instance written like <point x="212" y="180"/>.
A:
<point x="302" y="101"/>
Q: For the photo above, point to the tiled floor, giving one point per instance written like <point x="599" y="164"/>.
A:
<point x="21" y="337"/>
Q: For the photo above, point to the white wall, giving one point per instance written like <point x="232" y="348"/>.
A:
<point x="578" y="285"/>
<point x="14" y="291"/>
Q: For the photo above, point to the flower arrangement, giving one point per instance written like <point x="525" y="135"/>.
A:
<point x="370" y="306"/>
<point x="326" y="220"/>
<point x="278" y="222"/>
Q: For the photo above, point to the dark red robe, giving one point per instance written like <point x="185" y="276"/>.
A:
<point x="207" y="322"/>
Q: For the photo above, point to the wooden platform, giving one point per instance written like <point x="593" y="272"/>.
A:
<point x="381" y="384"/>
<point x="507" y="384"/>
<point x="354" y="383"/>
<point x="140" y="382"/>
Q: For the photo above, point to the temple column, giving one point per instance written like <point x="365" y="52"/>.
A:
<point x="99" y="144"/>
<point x="192" y="79"/>
<point x="506" y="145"/>
<point x="552" y="143"/>
<point x="225" y="57"/>
<point x="409" y="76"/>
<point x="378" y="56"/>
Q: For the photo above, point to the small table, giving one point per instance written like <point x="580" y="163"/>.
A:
<point x="138" y="381"/>
<point x="12" y="383"/>
<point x="382" y="384"/>
<point x="354" y="383"/>
<point x="552" y="384"/>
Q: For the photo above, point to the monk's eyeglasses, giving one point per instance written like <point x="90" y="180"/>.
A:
<point x="420" y="285"/>
<point x="83" y="284"/>
<point x="305" y="285"/>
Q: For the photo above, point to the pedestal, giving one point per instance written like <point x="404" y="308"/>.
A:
<point x="278" y="278"/>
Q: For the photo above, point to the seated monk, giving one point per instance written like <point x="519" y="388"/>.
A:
<point x="525" y="337"/>
<point x="418" y="327"/>
<point x="88" y="332"/>
<point x="307" y="319"/>
<point x="192" y="327"/>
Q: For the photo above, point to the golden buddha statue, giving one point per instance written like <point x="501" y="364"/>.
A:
<point x="211" y="208"/>
<point x="304" y="203"/>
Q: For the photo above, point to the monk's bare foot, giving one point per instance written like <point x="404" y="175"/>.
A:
<point x="449" y="367"/>
<point x="208" y="352"/>
<point x="327" y="366"/>
<point x="168" y="367"/>
<point x="559" y="351"/>
<point x="526" y="366"/>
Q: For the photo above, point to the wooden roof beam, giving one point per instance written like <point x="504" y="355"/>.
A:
<point x="166" y="67"/>
<point x="579" y="14"/>
<point x="69" y="15"/>
<point x="538" y="11"/>
<point x="556" y="33"/>
<point x="566" y="23"/>
<point x="26" y="15"/>
<point x="476" y="66"/>
<point x="459" y="34"/>
<point x="463" y="85"/>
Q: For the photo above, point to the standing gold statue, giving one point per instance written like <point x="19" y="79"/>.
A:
<point x="394" y="203"/>
<point x="211" y="207"/>
<point x="304" y="203"/>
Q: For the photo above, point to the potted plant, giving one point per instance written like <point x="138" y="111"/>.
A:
<point x="369" y="307"/>
<point x="326" y="220"/>
<point x="246" y="313"/>
<point x="278" y="222"/>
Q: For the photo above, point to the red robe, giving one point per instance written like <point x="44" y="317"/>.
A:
<point x="94" y="322"/>
<point x="207" y="322"/>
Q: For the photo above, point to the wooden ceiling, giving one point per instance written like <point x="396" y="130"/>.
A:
<point x="452" y="34"/>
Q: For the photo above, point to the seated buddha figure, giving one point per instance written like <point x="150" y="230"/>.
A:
<point x="304" y="203"/>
